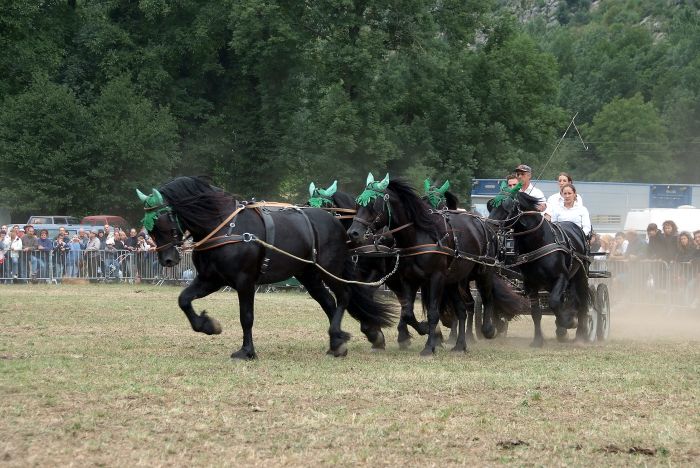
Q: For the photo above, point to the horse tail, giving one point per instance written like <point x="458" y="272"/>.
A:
<point x="506" y="302"/>
<point x="364" y="307"/>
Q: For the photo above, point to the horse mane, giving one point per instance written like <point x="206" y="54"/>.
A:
<point x="343" y="200"/>
<point x="416" y="208"/>
<point x="451" y="200"/>
<point x="528" y="201"/>
<point x="196" y="200"/>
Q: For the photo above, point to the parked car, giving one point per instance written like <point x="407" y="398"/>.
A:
<point x="101" y="220"/>
<point x="52" y="219"/>
<point x="52" y="222"/>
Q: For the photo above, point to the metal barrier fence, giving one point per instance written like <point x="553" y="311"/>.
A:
<point x="95" y="266"/>
<point x="648" y="282"/>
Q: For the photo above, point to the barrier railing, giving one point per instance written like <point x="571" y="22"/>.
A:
<point x="648" y="282"/>
<point x="95" y="266"/>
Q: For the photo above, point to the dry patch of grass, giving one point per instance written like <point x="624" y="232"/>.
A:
<point x="108" y="374"/>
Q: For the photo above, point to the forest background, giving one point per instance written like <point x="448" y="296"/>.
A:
<point x="265" y="96"/>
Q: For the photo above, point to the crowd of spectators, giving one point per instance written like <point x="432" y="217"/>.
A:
<point x="665" y="244"/>
<point x="88" y="253"/>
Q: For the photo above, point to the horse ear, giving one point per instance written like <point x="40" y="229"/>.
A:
<point x="383" y="184"/>
<point x="330" y="191"/>
<point x="370" y="179"/>
<point x="426" y="185"/>
<point x="158" y="198"/>
<point x="312" y="187"/>
<point x="444" y="187"/>
<point x="141" y="195"/>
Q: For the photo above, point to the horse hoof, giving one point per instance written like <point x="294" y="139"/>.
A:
<point x="341" y="351"/>
<point x="405" y="344"/>
<point x="376" y="349"/>
<point x="489" y="331"/>
<point x="211" y="327"/>
<point x="561" y="335"/>
<point x="537" y="343"/>
<point x="243" y="355"/>
<point x="459" y="349"/>
<point x="427" y="352"/>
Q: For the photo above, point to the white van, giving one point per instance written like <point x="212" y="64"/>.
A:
<point x="686" y="217"/>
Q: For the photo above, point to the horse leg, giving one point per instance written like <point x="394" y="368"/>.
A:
<point x="470" y="315"/>
<point x="536" y="313"/>
<point x="407" y="299"/>
<point x="556" y="303"/>
<point x="200" y="323"/>
<point x="484" y="284"/>
<point x="434" y="292"/>
<point x="334" y="310"/>
<point x="581" y="294"/>
<point x="461" y="312"/>
<point x="246" y="302"/>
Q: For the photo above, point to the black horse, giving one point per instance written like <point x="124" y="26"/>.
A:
<point x="556" y="261"/>
<point x="446" y="249"/>
<point x="242" y="245"/>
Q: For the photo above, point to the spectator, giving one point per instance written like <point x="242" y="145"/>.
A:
<point x="569" y="211"/>
<point x="43" y="254"/>
<point x="557" y="199"/>
<point x="60" y="248"/>
<point x="511" y="180"/>
<point x="594" y="242"/>
<point x="84" y="238"/>
<point x="669" y="241"/>
<point x="92" y="255"/>
<point x="619" y="246"/>
<point x="30" y="244"/>
<point x="686" y="249"/>
<point x="15" y="251"/>
<point x="75" y="251"/>
<point x="606" y="243"/>
<point x="4" y="256"/>
<point x="655" y="242"/>
<point x="62" y="231"/>
<point x="132" y="241"/>
<point x="524" y="174"/>
<point x="696" y="238"/>
<point x="109" y="234"/>
<point x="635" y="247"/>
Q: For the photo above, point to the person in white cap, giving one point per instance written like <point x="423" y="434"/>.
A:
<point x="524" y="173"/>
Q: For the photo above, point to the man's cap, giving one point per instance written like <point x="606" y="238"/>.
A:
<point x="523" y="168"/>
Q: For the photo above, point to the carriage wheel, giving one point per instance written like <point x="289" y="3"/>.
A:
<point x="603" y="301"/>
<point x="478" y="316"/>
<point x="591" y="317"/>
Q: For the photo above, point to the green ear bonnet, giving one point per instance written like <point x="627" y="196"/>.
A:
<point x="320" y="197"/>
<point x="436" y="195"/>
<point x="154" y="206"/>
<point x="506" y="193"/>
<point x="373" y="190"/>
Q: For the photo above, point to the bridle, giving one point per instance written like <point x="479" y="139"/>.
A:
<point x="176" y="231"/>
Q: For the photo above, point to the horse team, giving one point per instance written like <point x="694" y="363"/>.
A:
<point x="389" y="234"/>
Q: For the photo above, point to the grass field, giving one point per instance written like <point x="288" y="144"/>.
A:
<point x="113" y="375"/>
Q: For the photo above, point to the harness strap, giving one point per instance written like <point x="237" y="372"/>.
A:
<point x="197" y="245"/>
<point x="269" y="236"/>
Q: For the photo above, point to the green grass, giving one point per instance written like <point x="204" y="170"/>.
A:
<point x="105" y="375"/>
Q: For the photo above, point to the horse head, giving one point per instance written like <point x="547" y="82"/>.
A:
<point x="163" y="226"/>
<point x="440" y="198"/>
<point x="508" y="203"/>
<point x="373" y="211"/>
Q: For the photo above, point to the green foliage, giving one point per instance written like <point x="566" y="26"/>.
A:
<point x="113" y="95"/>
<point x="630" y="143"/>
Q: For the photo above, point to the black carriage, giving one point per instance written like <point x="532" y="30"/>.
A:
<point x="598" y="316"/>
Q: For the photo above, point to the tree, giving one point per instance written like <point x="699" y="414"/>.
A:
<point x="630" y="143"/>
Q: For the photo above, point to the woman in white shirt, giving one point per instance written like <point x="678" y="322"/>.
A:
<point x="556" y="199"/>
<point x="570" y="211"/>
